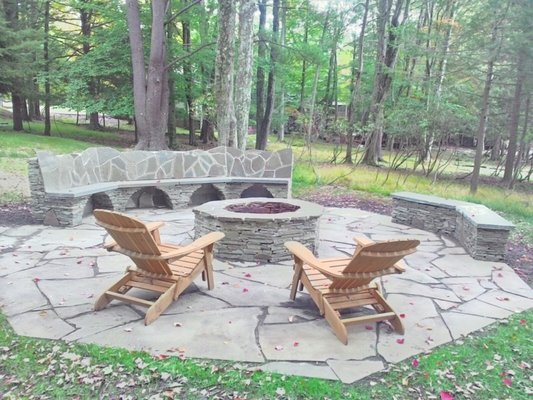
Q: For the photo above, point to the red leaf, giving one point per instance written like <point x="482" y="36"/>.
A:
<point x="402" y="315"/>
<point x="36" y="280"/>
<point x="400" y="341"/>
<point x="247" y="275"/>
<point x="508" y="381"/>
<point x="522" y="322"/>
<point x="369" y="327"/>
<point x="160" y="356"/>
<point x="415" y="362"/>
<point x="244" y="290"/>
<point x="444" y="395"/>
<point x="295" y="344"/>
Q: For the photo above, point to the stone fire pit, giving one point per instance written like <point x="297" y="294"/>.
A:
<point x="257" y="228"/>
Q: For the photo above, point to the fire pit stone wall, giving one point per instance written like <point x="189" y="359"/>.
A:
<point x="254" y="237"/>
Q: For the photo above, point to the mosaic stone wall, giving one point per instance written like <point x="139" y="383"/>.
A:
<point x="104" y="164"/>
<point x="66" y="187"/>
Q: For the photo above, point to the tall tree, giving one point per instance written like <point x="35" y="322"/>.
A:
<point x="266" y="122"/>
<point x="243" y="81"/>
<point x="387" y="49"/>
<point x="357" y="74"/>
<point x="224" y="73"/>
<point x="150" y="86"/>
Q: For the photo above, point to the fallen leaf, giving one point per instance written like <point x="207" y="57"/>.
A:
<point x="400" y="341"/>
<point x="278" y="347"/>
<point x="402" y="315"/>
<point x="247" y="275"/>
<point x="296" y="344"/>
<point x="369" y="327"/>
<point x="508" y="381"/>
<point x="501" y="298"/>
<point x="291" y="318"/>
<point x="127" y="329"/>
<point x="177" y="324"/>
<point x="415" y="362"/>
<point x="36" y="280"/>
<point x="280" y="391"/>
<point x="444" y="395"/>
<point x="244" y="290"/>
<point x="522" y="322"/>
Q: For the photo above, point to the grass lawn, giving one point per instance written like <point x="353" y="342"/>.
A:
<point x="495" y="364"/>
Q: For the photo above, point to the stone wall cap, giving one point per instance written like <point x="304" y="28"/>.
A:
<point x="428" y="199"/>
<point x="217" y="209"/>
<point x="484" y="217"/>
<point x="85" y="190"/>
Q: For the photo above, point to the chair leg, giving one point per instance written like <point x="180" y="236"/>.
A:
<point x="160" y="305"/>
<point x="298" y="269"/>
<point x="104" y="300"/>
<point x="335" y="322"/>
<point x="396" y="322"/>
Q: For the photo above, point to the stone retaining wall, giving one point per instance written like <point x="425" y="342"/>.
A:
<point x="66" y="187"/>
<point x="482" y="232"/>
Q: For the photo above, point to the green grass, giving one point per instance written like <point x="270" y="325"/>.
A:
<point x="494" y="365"/>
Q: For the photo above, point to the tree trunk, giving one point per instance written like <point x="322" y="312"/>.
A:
<point x="86" y="30"/>
<point x="386" y="58"/>
<point x="482" y="128"/>
<point x="243" y="81"/>
<point x="308" y="136"/>
<point x="224" y="73"/>
<point x="524" y="148"/>
<point x="301" y="107"/>
<point x="260" y="73"/>
<point x="266" y="123"/>
<point x="282" y="39"/>
<point x="187" y="74"/>
<point x="139" y="74"/>
<point x="18" y="113"/>
<point x="356" y="86"/>
<point x="150" y="88"/>
<point x="46" y="58"/>
<point x="513" y="121"/>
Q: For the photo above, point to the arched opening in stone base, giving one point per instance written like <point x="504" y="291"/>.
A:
<point x="257" y="190"/>
<point x="149" y="197"/>
<point x="205" y="193"/>
<point x="97" y="201"/>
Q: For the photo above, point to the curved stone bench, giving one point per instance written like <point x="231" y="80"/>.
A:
<point x="66" y="187"/>
<point x="481" y="231"/>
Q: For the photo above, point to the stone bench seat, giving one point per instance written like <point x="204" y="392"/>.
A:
<point x="482" y="232"/>
<point x="81" y="191"/>
<point x="66" y="187"/>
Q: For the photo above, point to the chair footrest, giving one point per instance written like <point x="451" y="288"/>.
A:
<point x="368" y="318"/>
<point x="129" y="299"/>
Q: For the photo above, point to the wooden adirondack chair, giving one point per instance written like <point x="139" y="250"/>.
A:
<point x="345" y="283"/>
<point x="162" y="268"/>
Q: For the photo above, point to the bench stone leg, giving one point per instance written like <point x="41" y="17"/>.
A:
<point x="64" y="211"/>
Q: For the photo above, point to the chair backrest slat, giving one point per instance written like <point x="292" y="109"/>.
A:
<point x="374" y="260"/>
<point x="133" y="235"/>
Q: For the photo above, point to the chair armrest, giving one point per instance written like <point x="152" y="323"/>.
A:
<point x="363" y="241"/>
<point x="199" y="244"/>
<point x="307" y="257"/>
<point x="152" y="226"/>
<point x="400" y="266"/>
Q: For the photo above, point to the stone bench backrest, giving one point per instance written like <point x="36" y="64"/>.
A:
<point x="104" y="164"/>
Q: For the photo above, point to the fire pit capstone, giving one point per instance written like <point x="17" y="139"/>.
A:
<point x="254" y="236"/>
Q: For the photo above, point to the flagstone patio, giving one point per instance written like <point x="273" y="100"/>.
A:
<point x="50" y="277"/>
